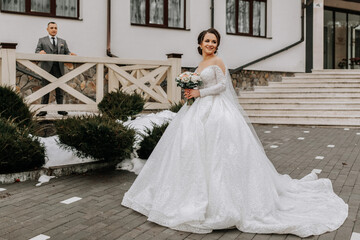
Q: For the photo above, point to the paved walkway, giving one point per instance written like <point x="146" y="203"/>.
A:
<point x="27" y="211"/>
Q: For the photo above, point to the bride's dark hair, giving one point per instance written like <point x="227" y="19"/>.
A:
<point x="202" y="35"/>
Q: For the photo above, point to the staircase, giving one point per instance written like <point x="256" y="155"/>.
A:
<point x="324" y="97"/>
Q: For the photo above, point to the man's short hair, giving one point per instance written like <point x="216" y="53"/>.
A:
<point x="51" y="23"/>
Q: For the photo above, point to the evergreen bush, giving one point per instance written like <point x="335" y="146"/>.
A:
<point x="12" y="106"/>
<point x="175" y="107"/>
<point x="19" y="151"/>
<point x="150" y="139"/>
<point x="97" y="137"/>
<point x="121" y="105"/>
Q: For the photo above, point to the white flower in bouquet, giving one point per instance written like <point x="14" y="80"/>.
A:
<point x="186" y="79"/>
<point x="195" y="78"/>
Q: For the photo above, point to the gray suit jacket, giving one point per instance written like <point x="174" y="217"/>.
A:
<point x="46" y="45"/>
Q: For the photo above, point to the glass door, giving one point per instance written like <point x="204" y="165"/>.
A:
<point x="341" y="39"/>
<point x="328" y="39"/>
<point x="354" y="40"/>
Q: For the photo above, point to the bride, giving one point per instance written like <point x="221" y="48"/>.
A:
<point x="209" y="170"/>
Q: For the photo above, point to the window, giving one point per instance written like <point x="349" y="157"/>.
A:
<point x="246" y="17"/>
<point x="49" y="8"/>
<point x="158" y="13"/>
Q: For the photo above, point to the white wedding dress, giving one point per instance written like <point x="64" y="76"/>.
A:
<point x="209" y="171"/>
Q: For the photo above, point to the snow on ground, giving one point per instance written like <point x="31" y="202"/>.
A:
<point x="144" y="121"/>
<point x="44" y="179"/>
<point x="58" y="156"/>
<point x="132" y="165"/>
<point x="52" y="115"/>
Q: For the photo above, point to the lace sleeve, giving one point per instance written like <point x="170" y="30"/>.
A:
<point x="220" y="85"/>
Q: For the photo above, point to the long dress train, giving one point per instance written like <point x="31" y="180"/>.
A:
<point x="209" y="171"/>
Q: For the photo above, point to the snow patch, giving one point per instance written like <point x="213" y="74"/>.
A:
<point x="132" y="165"/>
<point x="44" y="179"/>
<point x="57" y="156"/>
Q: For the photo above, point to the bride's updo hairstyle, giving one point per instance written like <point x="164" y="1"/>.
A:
<point x="202" y="35"/>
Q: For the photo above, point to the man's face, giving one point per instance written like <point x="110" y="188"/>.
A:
<point x="52" y="29"/>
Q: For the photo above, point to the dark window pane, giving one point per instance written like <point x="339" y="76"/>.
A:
<point x="138" y="11"/>
<point x="42" y="6"/>
<point x="13" y="5"/>
<point x="156" y="11"/>
<point x="244" y="15"/>
<point x="66" y="8"/>
<point x="230" y="16"/>
<point x="340" y="38"/>
<point x="176" y="13"/>
<point x="259" y="18"/>
<point x="328" y="39"/>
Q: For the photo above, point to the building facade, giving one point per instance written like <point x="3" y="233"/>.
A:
<point x="316" y="34"/>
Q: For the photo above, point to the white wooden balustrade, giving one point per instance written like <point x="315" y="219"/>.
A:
<point x="129" y="75"/>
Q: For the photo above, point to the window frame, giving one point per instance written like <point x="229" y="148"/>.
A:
<point x="251" y="19"/>
<point x="166" y="17"/>
<point x="52" y="13"/>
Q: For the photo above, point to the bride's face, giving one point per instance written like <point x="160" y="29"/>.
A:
<point x="209" y="44"/>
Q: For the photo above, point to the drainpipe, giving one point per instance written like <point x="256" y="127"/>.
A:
<point x="239" y="69"/>
<point x="212" y="13"/>
<point x="108" y="35"/>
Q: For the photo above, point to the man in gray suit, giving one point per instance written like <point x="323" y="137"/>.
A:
<point x="51" y="44"/>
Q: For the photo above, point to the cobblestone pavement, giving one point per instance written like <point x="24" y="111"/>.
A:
<point x="27" y="211"/>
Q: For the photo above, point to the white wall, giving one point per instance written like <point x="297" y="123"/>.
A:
<point x="86" y="37"/>
<point x="154" y="43"/>
<point x="284" y="28"/>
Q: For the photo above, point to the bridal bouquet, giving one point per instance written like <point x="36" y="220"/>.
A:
<point x="188" y="80"/>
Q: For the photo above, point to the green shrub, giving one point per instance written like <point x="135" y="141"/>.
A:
<point x="175" y="107"/>
<point x="19" y="151"/>
<point x="97" y="137"/>
<point x="150" y="139"/>
<point x="120" y="105"/>
<point x="12" y="106"/>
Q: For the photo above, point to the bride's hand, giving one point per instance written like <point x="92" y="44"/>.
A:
<point x="186" y="93"/>
<point x="192" y="93"/>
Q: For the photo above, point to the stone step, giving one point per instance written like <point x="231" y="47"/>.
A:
<point x="315" y="79"/>
<point x="303" y="113"/>
<point x="339" y="100"/>
<point x="336" y="71"/>
<point x="307" y="90"/>
<point x="311" y="84"/>
<point x="301" y="106"/>
<point x="321" y="98"/>
<point x="330" y="73"/>
<point x="316" y="121"/>
<point x="299" y="95"/>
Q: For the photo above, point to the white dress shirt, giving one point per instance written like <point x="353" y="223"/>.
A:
<point x="51" y="40"/>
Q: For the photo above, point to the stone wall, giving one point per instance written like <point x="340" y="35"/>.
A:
<point x="84" y="83"/>
<point x="247" y="79"/>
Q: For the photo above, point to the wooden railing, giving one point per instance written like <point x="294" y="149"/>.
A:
<point x="143" y="76"/>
